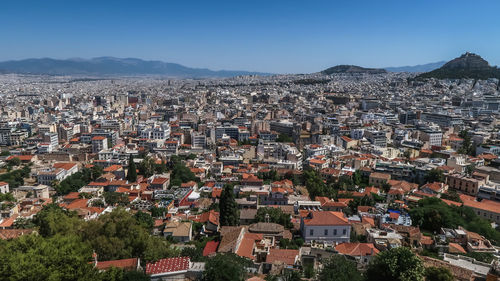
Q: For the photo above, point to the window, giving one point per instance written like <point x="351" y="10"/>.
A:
<point x="311" y="232"/>
<point x="344" y="232"/>
<point x="334" y="232"/>
<point x="326" y="232"/>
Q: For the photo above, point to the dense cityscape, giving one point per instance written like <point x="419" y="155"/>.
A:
<point x="337" y="175"/>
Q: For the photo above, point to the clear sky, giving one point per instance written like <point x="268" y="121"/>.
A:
<point x="272" y="35"/>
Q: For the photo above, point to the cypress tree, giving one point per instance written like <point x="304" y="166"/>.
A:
<point x="229" y="214"/>
<point x="132" y="172"/>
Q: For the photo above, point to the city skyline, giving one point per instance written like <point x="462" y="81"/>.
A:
<point x="281" y="37"/>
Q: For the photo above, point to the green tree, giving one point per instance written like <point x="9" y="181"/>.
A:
<point x="52" y="220"/>
<point x="132" y="170"/>
<point x="116" y="198"/>
<point x="229" y="213"/>
<point x="180" y="173"/>
<point x="291" y="275"/>
<point x="338" y="268"/>
<point x="275" y="215"/>
<point x="315" y="185"/>
<point x="438" y="274"/>
<point x="23" y="223"/>
<point x="434" y="175"/>
<point x="225" y="267"/>
<point x="7" y="197"/>
<point x="147" y="167"/>
<point x="396" y="264"/>
<point x="157" y="212"/>
<point x="432" y="213"/>
<point x="284" y="138"/>
<point x="15" y="161"/>
<point x="77" y="180"/>
<point x="144" y="219"/>
<point x="118" y="235"/>
<point x="118" y="274"/>
<point x="33" y="257"/>
<point x="467" y="146"/>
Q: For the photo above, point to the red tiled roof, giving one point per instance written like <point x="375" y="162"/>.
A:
<point x="112" y="168"/>
<point x="210" y="248"/>
<point x="357" y="249"/>
<point x="129" y="264"/>
<point x="286" y="256"/>
<point x="159" y="180"/>
<point x="168" y="265"/>
<point x="65" y="166"/>
<point x="216" y="192"/>
<point x="326" y="218"/>
<point x="21" y="157"/>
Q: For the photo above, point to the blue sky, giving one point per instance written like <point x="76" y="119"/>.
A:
<point x="272" y="36"/>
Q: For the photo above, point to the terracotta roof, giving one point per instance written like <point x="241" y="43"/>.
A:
<point x="77" y="203"/>
<point x="168" y="265"/>
<point x="325" y="218"/>
<point x="13" y="233"/>
<point x="357" y="249"/>
<point x="8" y="222"/>
<point x="486" y="205"/>
<point x="230" y="235"/>
<point x="72" y="195"/>
<point x="65" y="166"/>
<point x="21" y="157"/>
<point x="159" y="180"/>
<point x="455" y="248"/>
<point x="210" y="248"/>
<point x="112" y="168"/>
<point x="449" y="202"/>
<point x="245" y="248"/>
<point x="216" y="192"/>
<point x="286" y="256"/>
<point x="129" y="264"/>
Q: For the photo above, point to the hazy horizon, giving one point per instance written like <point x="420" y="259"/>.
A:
<point x="276" y="37"/>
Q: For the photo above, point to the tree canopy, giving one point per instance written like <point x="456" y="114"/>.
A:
<point x="276" y="215"/>
<point x="229" y="213"/>
<point x="438" y="274"/>
<point x="225" y="267"/>
<point x="432" y="214"/>
<point x="396" y="264"/>
<point x="132" y="170"/>
<point x="338" y="268"/>
<point x="77" y="180"/>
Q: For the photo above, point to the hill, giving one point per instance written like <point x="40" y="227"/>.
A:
<point x="352" y="69"/>
<point x="110" y="66"/>
<point x="416" y="68"/>
<point x="468" y="65"/>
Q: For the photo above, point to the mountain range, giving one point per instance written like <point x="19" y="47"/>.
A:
<point x="111" y="66"/>
<point x="416" y="68"/>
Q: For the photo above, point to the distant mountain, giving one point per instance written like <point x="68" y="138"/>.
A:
<point x="352" y="69"/>
<point x="416" y="68"/>
<point x="110" y="66"/>
<point x="468" y="65"/>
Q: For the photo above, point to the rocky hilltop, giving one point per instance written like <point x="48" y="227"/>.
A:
<point x="468" y="65"/>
